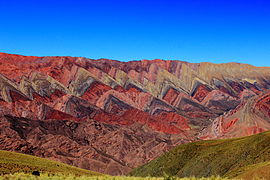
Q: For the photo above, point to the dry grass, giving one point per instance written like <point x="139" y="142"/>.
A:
<point x="22" y="176"/>
<point x="11" y="162"/>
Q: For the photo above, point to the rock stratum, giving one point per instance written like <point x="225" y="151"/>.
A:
<point x="111" y="116"/>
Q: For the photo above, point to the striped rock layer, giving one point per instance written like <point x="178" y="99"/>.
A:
<point x="111" y="116"/>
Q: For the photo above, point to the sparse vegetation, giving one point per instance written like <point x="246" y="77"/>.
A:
<point x="246" y="157"/>
<point x="16" y="166"/>
<point x="22" y="176"/>
<point x="11" y="162"/>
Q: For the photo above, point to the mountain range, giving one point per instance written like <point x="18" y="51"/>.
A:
<point x="111" y="117"/>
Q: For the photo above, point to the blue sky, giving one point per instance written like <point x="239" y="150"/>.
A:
<point x="189" y="30"/>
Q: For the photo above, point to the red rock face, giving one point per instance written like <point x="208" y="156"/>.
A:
<point x="263" y="105"/>
<point x="100" y="114"/>
<point x="171" y="96"/>
<point x="95" y="91"/>
<point x="201" y="92"/>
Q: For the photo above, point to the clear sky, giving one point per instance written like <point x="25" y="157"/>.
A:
<point x="191" y="30"/>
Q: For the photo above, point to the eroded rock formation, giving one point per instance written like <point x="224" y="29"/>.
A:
<point x="112" y="116"/>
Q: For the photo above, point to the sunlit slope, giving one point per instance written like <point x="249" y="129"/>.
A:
<point x="11" y="162"/>
<point x="259" y="171"/>
<point x="228" y="158"/>
<point x="23" y="176"/>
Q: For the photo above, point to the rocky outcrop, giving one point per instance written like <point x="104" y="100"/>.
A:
<point x="112" y="116"/>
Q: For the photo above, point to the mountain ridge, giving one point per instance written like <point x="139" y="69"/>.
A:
<point x="112" y="111"/>
<point x="137" y="60"/>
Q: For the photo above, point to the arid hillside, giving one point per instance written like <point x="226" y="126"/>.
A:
<point x="111" y="116"/>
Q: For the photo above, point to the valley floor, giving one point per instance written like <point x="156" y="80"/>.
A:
<point x="23" y="176"/>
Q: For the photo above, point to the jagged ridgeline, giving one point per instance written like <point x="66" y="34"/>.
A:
<point x="100" y="114"/>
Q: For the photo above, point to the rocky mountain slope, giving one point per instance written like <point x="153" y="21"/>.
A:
<point x="111" y="116"/>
